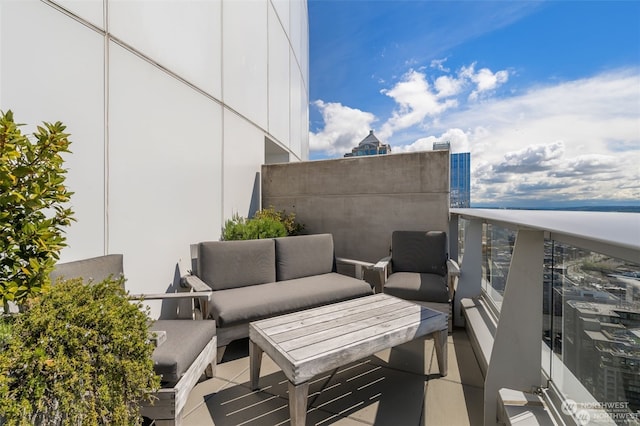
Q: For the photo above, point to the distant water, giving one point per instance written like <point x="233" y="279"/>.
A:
<point x="624" y="209"/>
<point x="612" y="208"/>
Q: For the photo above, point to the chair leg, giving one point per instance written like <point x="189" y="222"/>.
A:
<point x="220" y="353"/>
<point x="210" y="371"/>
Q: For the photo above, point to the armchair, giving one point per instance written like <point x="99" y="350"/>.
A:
<point x="186" y="350"/>
<point x="419" y="270"/>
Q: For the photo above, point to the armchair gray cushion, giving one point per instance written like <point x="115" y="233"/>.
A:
<point x="418" y="251"/>
<point x="416" y="286"/>
<point x="230" y="264"/>
<point x="185" y="341"/>
<point x="304" y="256"/>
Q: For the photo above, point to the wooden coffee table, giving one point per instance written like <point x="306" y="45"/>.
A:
<point x="306" y="343"/>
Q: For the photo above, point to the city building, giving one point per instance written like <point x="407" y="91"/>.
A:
<point x="370" y="145"/>
<point x="460" y="184"/>
<point x="602" y="348"/>
<point x="172" y="108"/>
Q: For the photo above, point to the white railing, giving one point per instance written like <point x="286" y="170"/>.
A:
<point x="546" y="280"/>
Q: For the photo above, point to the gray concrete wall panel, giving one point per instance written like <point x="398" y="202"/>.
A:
<point x="361" y="201"/>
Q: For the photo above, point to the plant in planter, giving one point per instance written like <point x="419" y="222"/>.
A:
<point x="239" y="228"/>
<point x="78" y="354"/>
<point x="266" y="223"/>
<point x="288" y="220"/>
<point x="33" y="207"/>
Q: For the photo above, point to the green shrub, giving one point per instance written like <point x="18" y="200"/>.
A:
<point x="267" y="223"/>
<point x="234" y="228"/>
<point x="288" y="220"/>
<point x="264" y="228"/>
<point x="239" y="228"/>
<point x="6" y="328"/>
<point x="33" y="207"/>
<point x="79" y="355"/>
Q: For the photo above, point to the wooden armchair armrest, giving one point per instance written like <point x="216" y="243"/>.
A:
<point x="453" y="273"/>
<point x="202" y="296"/>
<point x="453" y="268"/>
<point x="383" y="267"/>
<point x="194" y="283"/>
<point x="382" y="264"/>
<point x="359" y="265"/>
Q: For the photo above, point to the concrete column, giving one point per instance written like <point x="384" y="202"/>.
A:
<point x="516" y="357"/>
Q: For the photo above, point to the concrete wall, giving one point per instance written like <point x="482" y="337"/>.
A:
<point x="362" y="200"/>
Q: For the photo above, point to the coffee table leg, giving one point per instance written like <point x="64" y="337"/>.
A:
<point x="440" y="342"/>
<point x="255" y="361"/>
<point x="298" y="402"/>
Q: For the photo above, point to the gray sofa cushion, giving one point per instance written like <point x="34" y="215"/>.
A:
<point x="303" y="256"/>
<point x="95" y="269"/>
<point x="418" y="251"/>
<point x="229" y="264"/>
<point x="415" y="286"/>
<point x="242" y="305"/>
<point x="185" y="340"/>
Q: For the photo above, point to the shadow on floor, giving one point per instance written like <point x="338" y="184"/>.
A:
<point x="363" y="391"/>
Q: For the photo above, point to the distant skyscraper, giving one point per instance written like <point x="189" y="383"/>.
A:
<point x="460" y="183"/>
<point x="370" y="145"/>
<point x="441" y="145"/>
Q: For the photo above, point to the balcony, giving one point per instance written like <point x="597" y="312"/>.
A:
<point x="532" y="312"/>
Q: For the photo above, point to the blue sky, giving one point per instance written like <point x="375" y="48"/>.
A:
<point x="545" y="95"/>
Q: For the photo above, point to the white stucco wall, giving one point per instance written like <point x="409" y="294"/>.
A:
<point x="169" y="105"/>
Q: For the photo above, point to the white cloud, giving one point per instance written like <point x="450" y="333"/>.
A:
<point x="439" y="64"/>
<point x="344" y="128"/>
<point x="416" y="100"/>
<point x="574" y="140"/>
<point x="533" y="158"/>
<point x="448" y="86"/>
<point x="485" y="80"/>
<point x="458" y="138"/>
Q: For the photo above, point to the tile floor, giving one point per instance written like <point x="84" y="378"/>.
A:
<point x="373" y="391"/>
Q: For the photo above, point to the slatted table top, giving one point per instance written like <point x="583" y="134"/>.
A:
<point x="317" y="340"/>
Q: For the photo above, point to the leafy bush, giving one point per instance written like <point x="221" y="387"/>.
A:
<point x="264" y="228"/>
<point x="6" y="328"/>
<point x="79" y="354"/>
<point x="266" y="223"/>
<point x="288" y="220"/>
<point x="33" y="209"/>
<point x="239" y="228"/>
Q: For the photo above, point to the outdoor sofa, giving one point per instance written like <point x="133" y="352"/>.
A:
<point x="256" y="279"/>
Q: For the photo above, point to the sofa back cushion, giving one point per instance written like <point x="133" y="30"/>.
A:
<point x="230" y="264"/>
<point x="419" y="251"/>
<point x="303" y="256"/>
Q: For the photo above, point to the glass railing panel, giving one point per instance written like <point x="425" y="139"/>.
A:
<point x="462" y="226"/>
<point x="592" y="325"/>
<point x="497" y="251"/>
<point x="553" y="282"/>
